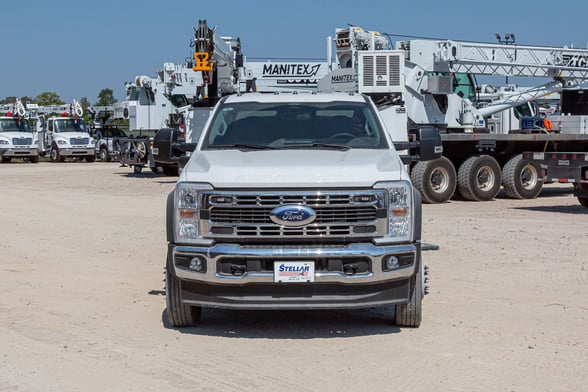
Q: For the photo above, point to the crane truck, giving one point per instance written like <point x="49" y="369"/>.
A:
<point x="431" y="82"/>
<point x="17" y="139"/>
<point x="66" y="136"/>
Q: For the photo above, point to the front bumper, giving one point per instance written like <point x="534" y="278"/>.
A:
<point x="19" y="152"/>
<point x="334" y="286"/>
<point x="72" y="152"/>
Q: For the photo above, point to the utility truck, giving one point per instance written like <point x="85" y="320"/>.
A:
<point x="432" y="82"/>
<point x="66" y="136"/>
<point x="17" y="139"/>
<point x="295" y="201"/>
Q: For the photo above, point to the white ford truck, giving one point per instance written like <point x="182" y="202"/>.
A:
<point x="294" y="201"/>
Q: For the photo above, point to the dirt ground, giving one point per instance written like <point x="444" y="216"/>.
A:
<point x="82" y="305"/>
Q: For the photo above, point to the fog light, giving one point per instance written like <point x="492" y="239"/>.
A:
<point x="197" y="264"/>
<point x="391" y="262"/>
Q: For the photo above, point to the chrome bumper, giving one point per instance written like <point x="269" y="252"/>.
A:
<point x="68" y="152"/>
<point x="374" y="253"/>
<point x="19" y="152"/>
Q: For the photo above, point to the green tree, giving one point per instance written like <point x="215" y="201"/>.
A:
<point x="48" y="98"/>
<point x="8" y="100"/>
<point x="106" y="98"/>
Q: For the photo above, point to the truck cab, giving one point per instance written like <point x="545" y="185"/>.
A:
<point x="17" y="139"/>
<point x="293" y="201"/>
<point x="67" y="137"/>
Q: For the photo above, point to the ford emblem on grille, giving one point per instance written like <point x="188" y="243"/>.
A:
<point x="293" y="215"/>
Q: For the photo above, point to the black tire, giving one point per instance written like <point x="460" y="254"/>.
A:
<point x="104" y="156"/>
<point x="178" y="313"/>
<point x="55" y="156"/>
<point x="411" y="313"/>
<point x="6" y="159"/>
<point x="521" y="179"/>
<point x="170" y="170"/>
<point x="435" y="180"/>
<point x="583" y="201"/>
<point x="34" y="159"/>
<point x="479" y="178"/>
<point x="90" y="158"/>
<point x="137" y="169"/>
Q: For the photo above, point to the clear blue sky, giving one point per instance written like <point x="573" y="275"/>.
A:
<point x="77" y="48"/>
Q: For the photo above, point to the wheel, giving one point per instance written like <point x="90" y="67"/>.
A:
<point x="479" y="178"/>
<point x="583" y="201"/>
<point x="410" y="314"/>
<point x="157" y="169"/>
<point x="141" y="149"/>
<point x="90" y="158"/>
<point x="55" y="156"/>
<point x="137" y="169"/>
<point x="435" y="180"/>
<point x="178" y="313"/>
<point x="104" y="156"/>
<point x="6" y="159"/>
<point x="521" y="179"/>
<point x="170" y="170"/>
<point x="34" y="159"/>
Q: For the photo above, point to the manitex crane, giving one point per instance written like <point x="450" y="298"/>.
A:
<point x="432" y="82"/>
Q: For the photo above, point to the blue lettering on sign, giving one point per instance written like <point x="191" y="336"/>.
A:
<point x="291" y="268"/>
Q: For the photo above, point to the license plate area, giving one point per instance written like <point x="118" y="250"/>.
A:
<point x="293" y="271"/>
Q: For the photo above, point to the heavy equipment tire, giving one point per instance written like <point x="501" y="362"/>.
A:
<point x="90" y="158"/>
<point x="583" y="201"/>
<point x="170" y="170"/>
<point x="55" y="156"/>
<point x="410" y="314"/>
<point x="104" y="156"/>
<point x="479" y="178"/>
<point x="137" y="169"/>
<point x="521" y="179"/>
<point x="435" y="180"/>
<point x="178" y="313"/>
<point x="34" y="159"/>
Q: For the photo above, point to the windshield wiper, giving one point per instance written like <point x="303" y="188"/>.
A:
<point x="326" y="146"/>
<point x="242" y="146"/>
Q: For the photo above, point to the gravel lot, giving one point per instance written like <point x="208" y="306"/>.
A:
<point x="82" y="253"/>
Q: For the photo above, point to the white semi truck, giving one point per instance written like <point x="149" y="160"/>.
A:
<point x="17" y="138"/>
<point x="294" y="201"/>
<point x="66" y="136"/>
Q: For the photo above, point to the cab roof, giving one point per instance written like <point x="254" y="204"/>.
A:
<point x="290" y="97"/>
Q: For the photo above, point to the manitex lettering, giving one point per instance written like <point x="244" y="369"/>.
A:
<point x="291" y="70"/>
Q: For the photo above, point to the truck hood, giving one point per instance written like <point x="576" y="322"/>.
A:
<point x="10" y="135"/>
<point x="67" y="135"/>
<point x="293" y="168"/>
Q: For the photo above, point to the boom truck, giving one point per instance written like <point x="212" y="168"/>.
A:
<point x="432" y="82"/>
<point x="17" y="139"/>
<point x="66" y="136"/>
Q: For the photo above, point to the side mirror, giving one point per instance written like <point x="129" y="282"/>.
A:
<point x="429" y="145"/>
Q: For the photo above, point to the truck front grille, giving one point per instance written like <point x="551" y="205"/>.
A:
<point x="245" y="214"/>
<point x="76" y="141"/>
<point x="22" y="141"/>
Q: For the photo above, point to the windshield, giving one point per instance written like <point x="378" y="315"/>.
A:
<point x="70" y="125"/>
<point x="14" y="125"/>
<point x="295" y="125"/>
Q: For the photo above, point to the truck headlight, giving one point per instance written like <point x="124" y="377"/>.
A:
<point x="400" y="210"/>
<point x="61" y="142"/>
<point x="187" y="202"/>
<point x="3" y="141"/>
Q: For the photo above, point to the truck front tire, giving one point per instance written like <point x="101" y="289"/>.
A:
<point x="55" y="156"/>
<point x="178" y="313"/>
<point x="411" y="313"/>
<point x="435" y="180"/>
